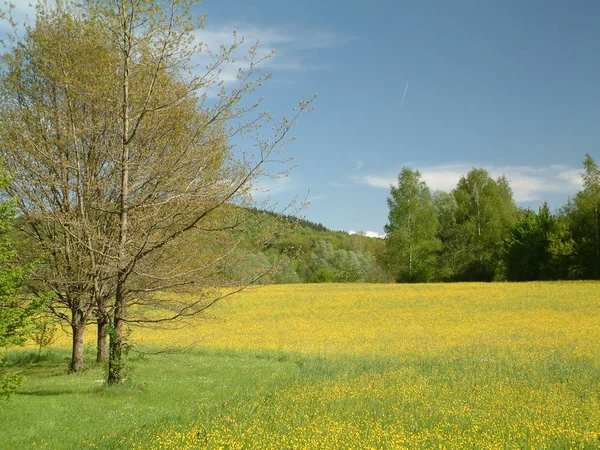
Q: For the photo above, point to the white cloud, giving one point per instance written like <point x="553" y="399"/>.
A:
<point x="269" y="186"/>
<point x="571" y="176"/>
<point x="373" y="234"/>
<point x="443" y="178"/>
<point x="528" y="183"/>
<point x="377" y="181"/>
<point x="358" y="164"/>
<point x="533" y="183"/>
<point x="289" y="42"/>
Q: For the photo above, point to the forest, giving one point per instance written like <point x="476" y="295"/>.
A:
<point x="477" y="233"/>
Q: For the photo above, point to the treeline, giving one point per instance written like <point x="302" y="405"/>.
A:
<point x="473" y="233"/>
<point x="477" y="233"/>
<point x="291" y="219"/>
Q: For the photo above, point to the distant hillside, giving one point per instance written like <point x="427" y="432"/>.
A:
<point x="308" y="252"/>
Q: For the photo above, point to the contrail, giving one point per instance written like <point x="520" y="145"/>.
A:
<point x="404" y="95"/>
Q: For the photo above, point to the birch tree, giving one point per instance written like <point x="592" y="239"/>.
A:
<point x="583" y="214"/>
<point x="486" y="212"/>
<point x="411" y="228"/>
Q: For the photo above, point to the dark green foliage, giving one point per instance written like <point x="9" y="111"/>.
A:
<point x="563" y="247"/>
<point x="9" y="384"/>
<point x="486" y="212"/>
<point x="253" y="265"/>
<point x="583" y="215"/>
<point x="120" y="369"/>
<point x="307" y="254"/>
<point x="14" y="310"/>
<point x="483" y="236"/>
<point x="286" y="271"/>
<point x="344" y="266"/>
<point x="561" y="250"/>
<point x="527" y="254"/>
<point x="294" y="220"/>
<point x="480" y="235"/>
<point x="324" y="275"/>
<point x="453" y="253"/>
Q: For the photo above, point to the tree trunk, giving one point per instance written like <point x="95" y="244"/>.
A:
<point x="102" y="350"/>
<point x="115" y="360"/>
<point x="410" y="265"/>
<point x="77" y="355"/>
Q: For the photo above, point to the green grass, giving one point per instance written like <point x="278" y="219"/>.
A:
<point x="56" y="410"/>
<point x="59" y="410"/>
<point x="451" y="402"/>
<point x="277" y="394"/>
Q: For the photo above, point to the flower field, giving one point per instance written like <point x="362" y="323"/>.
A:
<point x="398" y="321"/>
<point x="341" y="366"/>
<point x="489" y="366"/>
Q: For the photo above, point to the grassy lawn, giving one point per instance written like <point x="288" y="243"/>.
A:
<point x="338" y="366"/>
<point x="56" y="410"/>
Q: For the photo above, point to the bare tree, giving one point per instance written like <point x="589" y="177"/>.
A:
<point x="177" y="167"/>
<point x="137" y="187"/>
<point x="55" y="137"/>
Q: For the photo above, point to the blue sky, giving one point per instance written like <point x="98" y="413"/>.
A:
<point x="511" y="86"/>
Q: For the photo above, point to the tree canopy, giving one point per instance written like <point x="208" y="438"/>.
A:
<point x="121" y="151"/>
<point x="583" y="214"/>
<point x="411" y="228"/>
<point x="486" y="212"/>
<point x="479" y="234"/>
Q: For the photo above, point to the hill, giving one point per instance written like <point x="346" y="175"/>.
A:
<point x="306" y="252"/>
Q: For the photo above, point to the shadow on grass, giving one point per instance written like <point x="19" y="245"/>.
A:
<point x="28" y="358"/>
<point x="45" y="392"/>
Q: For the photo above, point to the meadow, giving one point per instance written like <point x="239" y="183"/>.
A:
<point x="465" y="365"/>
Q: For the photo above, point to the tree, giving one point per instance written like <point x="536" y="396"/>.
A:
<point x="561" y="249"/>
<point x="411" y="228"/>
<point x="527" y="254"/>
<point x="134" y="168"/>
<point x="583" y="214"/>
<point x="453" y="253"/>
<point x="486" y="212"/>
<point x="56" y="137"/>
<point x="189" y="170"/>
<point x="15" y="311"/>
